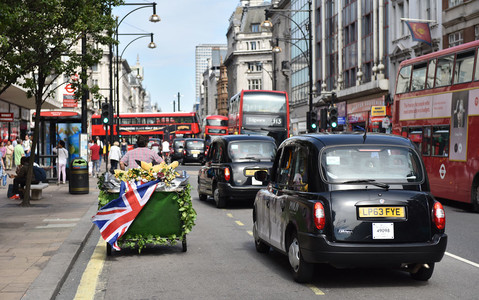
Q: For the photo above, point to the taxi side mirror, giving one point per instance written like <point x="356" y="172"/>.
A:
<point x="261" y="176"/>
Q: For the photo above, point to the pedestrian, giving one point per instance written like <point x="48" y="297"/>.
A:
<point x="3" y="151"/>
<point x="141" y="153"/>
<point x="9" y="156"/>
<point x="95" y="158"/>
<point x="18" y="152"/>
<point x="124" y="147"/>
<point x="20" y="179"/>
<point x="62" y="161"/>
<point x="100" y="144"/>
<point x="27" y="145"/>
<point x="165" y="149"/>
<point x="114" y="156"/>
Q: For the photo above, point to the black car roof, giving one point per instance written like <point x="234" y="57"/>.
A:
<point x="355" y="138"/>
<point x="246" y="137"/>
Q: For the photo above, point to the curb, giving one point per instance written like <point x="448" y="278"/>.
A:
<point x="49" y="282"/>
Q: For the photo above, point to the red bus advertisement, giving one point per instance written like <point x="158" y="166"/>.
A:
<point x="154" y="125"/>
<point x="259" y="112"/>
<point x="215" y="125"/>
<point x="436" y="105"/>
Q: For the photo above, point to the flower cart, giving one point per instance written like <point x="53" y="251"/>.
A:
<point x="162" y="198"/>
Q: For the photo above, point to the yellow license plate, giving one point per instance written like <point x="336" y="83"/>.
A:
<point x="382" y="212"/>
<point x="251" y="172"/>
<point x="195" y="151"/>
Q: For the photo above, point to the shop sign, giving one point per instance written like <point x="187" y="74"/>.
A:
<point x="357" y="118"/>
<point x="69" y="101"/>
<point x="378" y="111"/>
<point x="364" y="106"/>
<point x="6" y="117"/>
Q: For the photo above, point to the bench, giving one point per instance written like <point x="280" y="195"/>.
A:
<point x="37" y="190"/>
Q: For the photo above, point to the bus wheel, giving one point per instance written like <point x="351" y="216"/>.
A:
<point x="475" y="196"/>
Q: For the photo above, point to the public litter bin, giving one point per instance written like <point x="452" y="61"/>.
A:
<point x="79" y="181"/>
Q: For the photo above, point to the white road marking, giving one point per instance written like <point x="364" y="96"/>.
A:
<point x="463" y="259"/>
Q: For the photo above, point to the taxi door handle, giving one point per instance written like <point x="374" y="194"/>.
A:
<point x="282" y="205"/>
<point x="267" y="203"/>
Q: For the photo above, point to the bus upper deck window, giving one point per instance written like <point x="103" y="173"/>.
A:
<point x="418" y="77"/>
<point x="403" y="80"/>
<point x="464" y="67"/>
<point x="444" y="70"/>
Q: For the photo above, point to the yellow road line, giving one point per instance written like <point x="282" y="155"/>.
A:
<point x="315" y="290"/>
<point x="249" y="232"/>
<point x="87" y="287"/>
<point x="239" y="223"/>
<point x="229" y="215"/>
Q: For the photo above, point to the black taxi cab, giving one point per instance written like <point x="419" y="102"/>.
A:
<point x="350" y="200"/>
<point x="231" y="163"/>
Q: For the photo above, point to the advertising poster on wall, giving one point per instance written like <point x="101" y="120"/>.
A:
<point x="458" y="141"/>
<point x="70" y="134"/>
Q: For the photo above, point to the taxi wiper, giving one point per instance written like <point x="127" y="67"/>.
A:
<point x="371" y="181"/>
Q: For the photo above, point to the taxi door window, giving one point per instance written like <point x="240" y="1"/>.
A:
<point x="300" y="170"/>
<point x="285" y="166"/>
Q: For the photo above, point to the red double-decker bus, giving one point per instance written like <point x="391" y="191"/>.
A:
<point x="259" y="112"/>
<point x="154" y="125"/>
<point x="436" y="105"/>
<point x="215" y="125"/>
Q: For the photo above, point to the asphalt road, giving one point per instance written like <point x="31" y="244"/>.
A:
<point x="222" y="263"/>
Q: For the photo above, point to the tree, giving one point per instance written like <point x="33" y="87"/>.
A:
<point x="40" y="40"/>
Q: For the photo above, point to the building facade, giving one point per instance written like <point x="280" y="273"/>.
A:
<point x="460" y="22"/>
<point x="204" y="52"/>
<point x="248" y="59"/>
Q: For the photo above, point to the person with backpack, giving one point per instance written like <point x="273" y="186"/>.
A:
<point x="62" y="160"/>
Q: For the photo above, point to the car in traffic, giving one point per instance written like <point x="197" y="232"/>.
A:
<point x="231" y="163"/>
<point x="350" y="200"/>
<point x="177" y="149"/>
<point x="193" y="151"/>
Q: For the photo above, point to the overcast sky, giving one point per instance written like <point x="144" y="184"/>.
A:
<point x="170" y="67"/>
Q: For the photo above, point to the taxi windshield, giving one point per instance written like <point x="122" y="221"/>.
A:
<point x="379" y="163"/>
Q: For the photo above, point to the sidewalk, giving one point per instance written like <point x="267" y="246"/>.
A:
<point x="38" y="244"/>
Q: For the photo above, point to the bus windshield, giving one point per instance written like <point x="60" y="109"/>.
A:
<point x="216" y="122"/>
<point x="264" y="103"/>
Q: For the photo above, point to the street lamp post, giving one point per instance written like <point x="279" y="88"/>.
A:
<point x="151" y="45"/>
<point x="306" y="37"/>
<point x="153" y="18"/>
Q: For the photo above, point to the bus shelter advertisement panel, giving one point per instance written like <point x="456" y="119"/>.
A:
<point x="458" y="143"/>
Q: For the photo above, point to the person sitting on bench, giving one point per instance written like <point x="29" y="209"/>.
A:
<point x="20" y="179"/>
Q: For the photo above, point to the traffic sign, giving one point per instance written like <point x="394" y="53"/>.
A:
<point x="69" y="88"/>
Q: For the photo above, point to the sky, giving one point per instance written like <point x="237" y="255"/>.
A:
<point x="170" y="67"/>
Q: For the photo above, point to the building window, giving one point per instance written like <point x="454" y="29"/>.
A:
<point x="254" y="84"/>
<point x="255" y="27"/>
<point x="252" y="45"/>
<point x="476" y="32"/>
<point x="455" y="39"/>
<point x="453" y="3"/>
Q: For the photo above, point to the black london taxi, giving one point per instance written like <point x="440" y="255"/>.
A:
<point x="194" y="151"/>
<point x="176" y="149"/>
<point x="350" y="200"/>
<point x="231" y="163"/>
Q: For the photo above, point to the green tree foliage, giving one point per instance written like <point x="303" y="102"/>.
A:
<point x="41" y="39"/>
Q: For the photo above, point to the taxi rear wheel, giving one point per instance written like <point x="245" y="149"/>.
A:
<point x="475" y="196"/>
<point x="302" y="270"/>
<point x="424" y="273"/>
<point x="220" y="201"/>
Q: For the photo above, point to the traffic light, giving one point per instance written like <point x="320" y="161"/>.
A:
<point x="312" y="121"/>
<point x="106" y="113"/>
<point x="333" y="116"/>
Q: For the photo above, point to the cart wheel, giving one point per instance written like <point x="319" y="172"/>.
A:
<point x="183" y="243"/>
<point x="108" y="249"/>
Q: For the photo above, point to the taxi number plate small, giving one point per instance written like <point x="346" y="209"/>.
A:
<point x="195" y="152"/>
<point x="251" y="172"/>
<point x="382" y="212"/>
<point x="383" y="231"/>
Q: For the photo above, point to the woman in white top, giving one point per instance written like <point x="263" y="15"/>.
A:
<point x="114" y="156"/>
<point x="62" y="160"/>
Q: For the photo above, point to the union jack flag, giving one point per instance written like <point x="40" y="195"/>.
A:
<point x="115" y="218"/>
